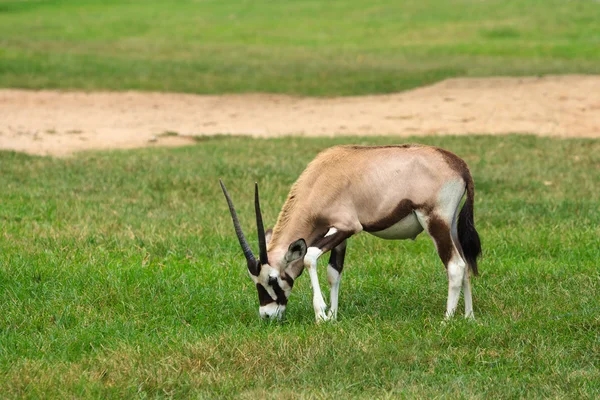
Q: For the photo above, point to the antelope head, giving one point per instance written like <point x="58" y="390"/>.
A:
<point x="272" y="282"/>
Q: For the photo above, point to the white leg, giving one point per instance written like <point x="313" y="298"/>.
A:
<point x="444" y="235"/>
<point x="334" y="278"/>
<point x="456" y="272"/>
<point x="466" y="284"/>
<point x="310" y="262"/>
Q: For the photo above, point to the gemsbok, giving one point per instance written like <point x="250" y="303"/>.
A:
<point x="393" y="192"/>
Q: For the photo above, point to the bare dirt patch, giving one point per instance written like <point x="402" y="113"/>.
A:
<point x="60" y="123"/>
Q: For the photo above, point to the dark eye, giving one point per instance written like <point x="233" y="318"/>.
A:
<point x="272" y="280"/>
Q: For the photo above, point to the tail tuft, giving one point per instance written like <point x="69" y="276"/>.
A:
<point x="467" y="234"/>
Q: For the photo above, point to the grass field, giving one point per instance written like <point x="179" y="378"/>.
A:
<point x="120" y="276"/>
<point x="309" y="47"/>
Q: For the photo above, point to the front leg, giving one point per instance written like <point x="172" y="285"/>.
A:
<point x="331" y="240"/>
<point x="334" y="276"/>
<point x="310" y="263"/>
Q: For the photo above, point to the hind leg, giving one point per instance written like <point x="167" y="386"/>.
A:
<point x="457" y="272"/>
<point x="439" y="228"/>
<point x="466" y="282"/>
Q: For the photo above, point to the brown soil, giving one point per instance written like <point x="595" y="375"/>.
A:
<point x="59" y="123"/>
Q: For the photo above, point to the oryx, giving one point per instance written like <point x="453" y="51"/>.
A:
<point x="393" y="192"/>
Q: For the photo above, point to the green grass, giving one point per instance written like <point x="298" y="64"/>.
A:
<point x="120" y="276"/>
<point x="309" y="47"/>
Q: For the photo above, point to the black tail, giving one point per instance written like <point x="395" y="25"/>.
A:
<point x="467" y="235"/>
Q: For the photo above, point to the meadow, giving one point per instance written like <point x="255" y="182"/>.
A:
<point x="308" y="47"/>
<point x="120" y="276"/>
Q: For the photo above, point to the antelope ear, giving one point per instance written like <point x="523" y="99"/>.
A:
<point x="268" y="235"/>
<point x="296" y="251"/>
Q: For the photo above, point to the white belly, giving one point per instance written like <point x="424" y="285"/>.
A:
<point x="407" y="228"/>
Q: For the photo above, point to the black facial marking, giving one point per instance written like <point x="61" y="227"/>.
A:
<point x="288" y="279"/>
<point x="263" y="296"/>
<point x="281" y="299"/>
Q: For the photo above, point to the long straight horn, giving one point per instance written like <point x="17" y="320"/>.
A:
<point x="252" y="264"/>
<point x="262" y="241"/>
